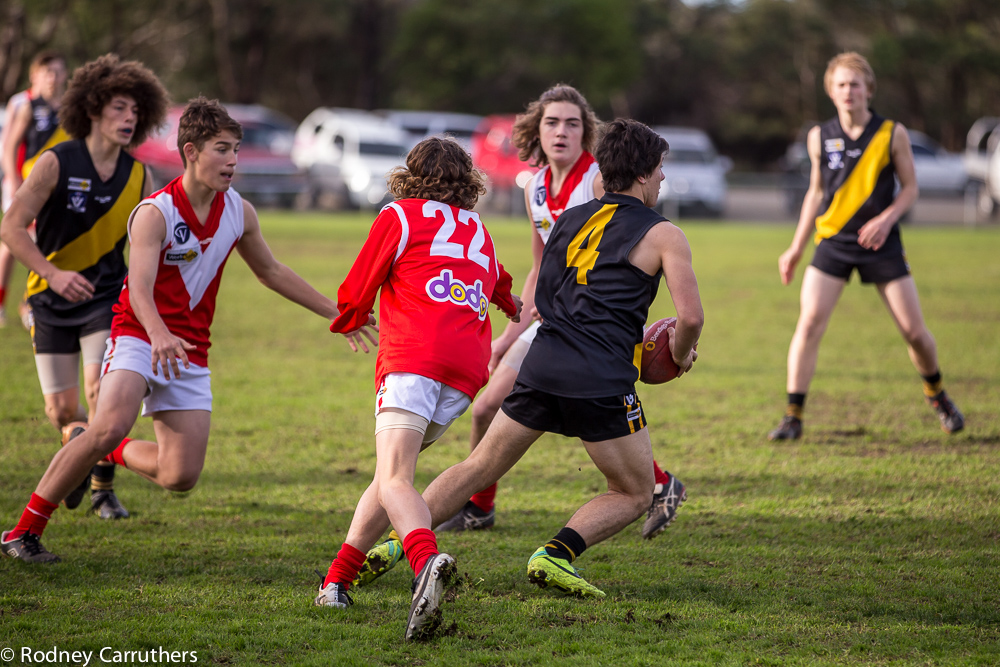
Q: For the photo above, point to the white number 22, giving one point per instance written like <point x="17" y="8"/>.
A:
<point x="442" y="244"/>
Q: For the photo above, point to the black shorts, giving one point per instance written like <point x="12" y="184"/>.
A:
<point x="880" y="266"/>
<point x="49" y="338"/>
<point x="590" y="419"/>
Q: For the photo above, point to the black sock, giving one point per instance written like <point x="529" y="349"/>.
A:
<point x="567" y="544"/>
<point x="796" y="404"/>
<point x="102" y="478"/>
<point x="932" y="384"/>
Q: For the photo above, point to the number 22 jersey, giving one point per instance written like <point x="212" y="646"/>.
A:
<point x="438" y="272"/>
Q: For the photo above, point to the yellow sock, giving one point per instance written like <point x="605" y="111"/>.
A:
<point x="393" y="535"/>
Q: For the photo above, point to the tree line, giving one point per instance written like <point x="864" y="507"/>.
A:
<point x="750" y="73"/>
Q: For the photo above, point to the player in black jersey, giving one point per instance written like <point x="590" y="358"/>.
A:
<point x="851" y="206"/>
<point x="82" y="192"/>
<point x="599" y="273"/>
<point x="31" y="125"/>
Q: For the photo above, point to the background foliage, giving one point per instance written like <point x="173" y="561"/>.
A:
<point x="749" y="72"/>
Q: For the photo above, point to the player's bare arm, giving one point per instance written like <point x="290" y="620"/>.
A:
<point x="665" y="247"/>
<point x="873" y="233"/>
<point x="527" y="297"/>
<point x="28" y="202"/>
<point x="16" y="127"/>
<point x="276" y="276"/>
<point x="147" y="184"/>
<point x="807" y="216"/>
<point x="148" y="230"/>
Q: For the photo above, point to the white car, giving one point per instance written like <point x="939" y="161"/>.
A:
<point x="694" y="175"/>
<point x="939" y="172"/>
<point x="419" y="125"/>
<point x="347" y="154"/>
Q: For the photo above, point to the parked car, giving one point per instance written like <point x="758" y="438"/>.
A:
<point x="347" y="154"/>
<point x="982" y="163"/>
<point x="694" y="173"/>
<point x="940" y="173"/>
<point x="496" y="156"/>
<point x="419" y="125"/>
<point x="265" y="173"/>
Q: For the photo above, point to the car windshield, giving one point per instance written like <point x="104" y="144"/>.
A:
<point x="374" y="148"/>
<point x="274" y="138"/>
<point x="688" y="156"/>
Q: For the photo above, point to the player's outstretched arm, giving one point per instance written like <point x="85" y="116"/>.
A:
<point x="807" y="216"/>
<point x="276" y="276"/>
<point x="147" y="232"/>
<point x="678" y="272"/>
<point x="13" y="134"/>
<point x="28" y="202"/>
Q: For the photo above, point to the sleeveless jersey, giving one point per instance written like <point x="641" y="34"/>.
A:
<point x="578" y="188"/>
<point x="593" y="302"/>
<point x="438" y="272"/>
<point x="42" y="134"/>
<point x="192" y="258"/>
<point x="82" y="228"/>
<point x="858" y="179"/>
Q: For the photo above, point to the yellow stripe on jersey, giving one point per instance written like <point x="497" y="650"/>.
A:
<point x="585" y="257"/>
<point x="87" y="249"/>
<point x="57" y="137"/>
<point x="858" y="186"/>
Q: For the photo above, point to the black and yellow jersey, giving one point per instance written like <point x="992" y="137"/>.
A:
<point x="82" y="228"/>
<point x="592" y="300"/>
<point x="859" y="178"/>
<point x="43" y="133"/>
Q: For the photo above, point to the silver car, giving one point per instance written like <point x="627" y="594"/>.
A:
<point x="694" y="174"/>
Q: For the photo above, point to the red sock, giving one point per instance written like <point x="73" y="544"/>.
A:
<point x="484" y="499"/>
<point x="35" y="517"/>
<point x="3" y="296"/>
<point x="419" y="545"/>
<point x="117" y="456"/>
<point x="345" y="567"/>
<point x="661" y="477"/>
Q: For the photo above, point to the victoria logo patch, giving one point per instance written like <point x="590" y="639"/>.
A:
<point x="77" y="202"/>
<point x="182" y="233"/>
<point x="540" y="195"/>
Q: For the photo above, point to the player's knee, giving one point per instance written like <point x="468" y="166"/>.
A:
<point x="60" y="415"/>
<point x="483" y="411"/>
<point x="182" y="480"/>
<point x="392" y="488"/>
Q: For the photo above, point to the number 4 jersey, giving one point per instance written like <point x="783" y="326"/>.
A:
<point x="438" y="272"/>
<point x="592" y="300"/>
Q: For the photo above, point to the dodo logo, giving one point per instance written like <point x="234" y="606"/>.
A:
<point x="446" y="288"/>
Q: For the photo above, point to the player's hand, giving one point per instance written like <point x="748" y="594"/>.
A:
<point x="683" y="365"/>
<point x="498" y="348"/>
<point x="786" y="265"/>
<point x="167" y="349"/>
<point x="873" y="234"/>
<point x="369" y="331"/>
<point x="516" y="317"/>
<point x="535" y="315"/>
<point x="71" y="286"/>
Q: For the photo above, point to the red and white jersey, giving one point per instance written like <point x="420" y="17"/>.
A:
<point x="438" y="272"/>
<point x="578" y="188"/>
<point x="191" y="261"/>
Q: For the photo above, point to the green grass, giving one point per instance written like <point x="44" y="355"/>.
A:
<point x="874" y="540"/>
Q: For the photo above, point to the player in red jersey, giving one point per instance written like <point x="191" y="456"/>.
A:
<point x="437" y="270"/>
<point x="180" y="240"/>
<point x="557" y="132"/>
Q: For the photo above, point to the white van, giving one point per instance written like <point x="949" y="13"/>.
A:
<point x="347" y="154"/>
<point x="694" y="175"/>
<point x="419" y="125"/>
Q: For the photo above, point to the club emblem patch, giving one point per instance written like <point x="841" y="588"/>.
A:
<point x="181" y="234"/>
<point x="77" y="202"/>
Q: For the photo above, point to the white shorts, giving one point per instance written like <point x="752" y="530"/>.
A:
<point x="434" y="401"/>
<point x="515" y="354"/>
<point x="191" y="391"/>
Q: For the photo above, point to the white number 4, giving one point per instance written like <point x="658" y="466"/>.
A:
<point x="443" y="246"/>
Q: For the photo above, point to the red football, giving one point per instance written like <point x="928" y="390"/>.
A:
<point x="657" y="365"/>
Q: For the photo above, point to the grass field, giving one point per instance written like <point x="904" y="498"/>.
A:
<point x="874" y="540"/>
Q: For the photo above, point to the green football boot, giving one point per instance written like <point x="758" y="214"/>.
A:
<point x="545" y="571"/>
<point x="380" y="559"/>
